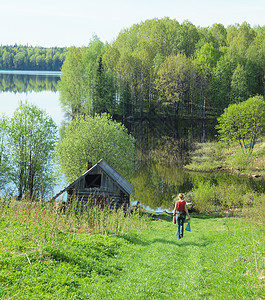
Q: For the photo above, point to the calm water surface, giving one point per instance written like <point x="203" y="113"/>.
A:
<point x="30" y="86"/>
<point x="46" y="100"/>
<point x="33" y="73"/>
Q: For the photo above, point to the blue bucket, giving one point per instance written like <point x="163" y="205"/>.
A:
<point x="188" y="227"/>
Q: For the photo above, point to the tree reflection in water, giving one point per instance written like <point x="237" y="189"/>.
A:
<point x="163" y="148"/>
<point x="22" y="83"/>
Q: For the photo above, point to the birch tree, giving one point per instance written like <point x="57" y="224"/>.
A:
<point x="31" y="140"/>
<point x="243" y="123"/>
<point x="4" y="158"/>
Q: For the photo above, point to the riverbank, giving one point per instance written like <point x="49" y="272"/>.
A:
<point x="208" y="157"/>
<point x="221" y="258"/>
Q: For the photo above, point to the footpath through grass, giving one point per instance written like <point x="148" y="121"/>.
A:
<point x="221" y="258"/>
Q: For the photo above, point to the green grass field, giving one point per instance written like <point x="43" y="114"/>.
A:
<point x="221" y="258"/>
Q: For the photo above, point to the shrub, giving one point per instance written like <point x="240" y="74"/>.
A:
<point x="204" y="197"/>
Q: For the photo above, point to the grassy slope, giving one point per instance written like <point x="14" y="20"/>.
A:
<point x="213" y="156"/>
<point x="221" y="258"/>
<point x="215" y="261"/>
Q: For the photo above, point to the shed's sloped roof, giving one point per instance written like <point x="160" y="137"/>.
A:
<point x="113" y="174"/>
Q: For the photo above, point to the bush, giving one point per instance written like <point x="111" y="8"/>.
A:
<point x="204" y="197"/>
<point x="229" y="196"/>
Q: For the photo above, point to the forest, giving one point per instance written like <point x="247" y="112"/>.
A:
<point x="19" y="57"/>
<point x="163" y="67"/>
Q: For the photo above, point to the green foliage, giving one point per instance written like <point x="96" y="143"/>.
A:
<point x="95" y="79"/>
<point x="239" y="85"/>
<point x="31" y="142"/>
<point x="104" y="95"/>
<point x="140" y="56"/>
<point x="86" y="86"/>
<point x="129" y="77"/>
<point x="5" y="174"/>
<point x="204" y="197"/>
<point x="90" y="139"/>
<point x="207" y="57"/>
<point x="173" y="80"/>
<point x="225" y="193"/>
<point x="198" y="71"/>
<point x="70" y="86"/>
<point x="240" y="160"/>
<point x="20" y="57"/>
<point x="243" y="122"/>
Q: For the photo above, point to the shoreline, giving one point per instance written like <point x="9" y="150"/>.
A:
<point x="211" y="157"/>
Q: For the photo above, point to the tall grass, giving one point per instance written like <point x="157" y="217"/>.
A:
<point x="50" y="218"/>
<point x="27" y="227"/>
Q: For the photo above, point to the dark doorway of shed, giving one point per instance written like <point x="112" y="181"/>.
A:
<point x="93" y="180"/>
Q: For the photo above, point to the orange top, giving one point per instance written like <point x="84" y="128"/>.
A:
<point x="181" y="205"/>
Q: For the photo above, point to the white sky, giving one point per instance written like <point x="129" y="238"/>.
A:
<point x="62" y="23"/>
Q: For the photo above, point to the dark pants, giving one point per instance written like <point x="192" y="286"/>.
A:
<point x="180" y="227"/>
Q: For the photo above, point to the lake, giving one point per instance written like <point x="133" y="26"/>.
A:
<point x="163" y="144"/>
<point x="39" y="88"/>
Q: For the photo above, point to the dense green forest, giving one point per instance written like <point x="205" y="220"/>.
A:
<point x="20" y="57"/>
<point x="157" y="66"/>
<point x="162" y="66"/>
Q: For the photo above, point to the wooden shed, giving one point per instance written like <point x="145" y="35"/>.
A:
<point x="100" y="185"/>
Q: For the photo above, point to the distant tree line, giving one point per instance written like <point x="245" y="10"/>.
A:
<point x="162" y="66"/>
<point x="20" y="57"/>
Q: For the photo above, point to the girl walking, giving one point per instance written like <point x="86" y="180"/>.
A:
<point x="181" y="211"/>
